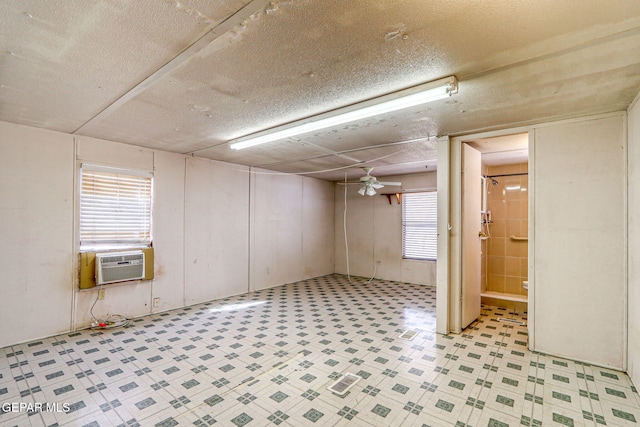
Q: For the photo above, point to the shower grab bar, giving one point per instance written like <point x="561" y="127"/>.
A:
<point x="518" y="239"/>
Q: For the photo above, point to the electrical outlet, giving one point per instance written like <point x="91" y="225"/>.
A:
<point x="101" y="293"/>
<point x="156" y="302"/>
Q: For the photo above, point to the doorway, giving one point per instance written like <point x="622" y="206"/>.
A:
<point x="504" y="221"/>
<point x="494" y="225"/>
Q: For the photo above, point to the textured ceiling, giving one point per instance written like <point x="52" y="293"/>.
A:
<point x="188" y="76"/>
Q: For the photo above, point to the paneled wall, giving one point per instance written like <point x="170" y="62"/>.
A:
<point x="216" y="241"/>
<point x="580" y="225"/>
<point x="36" y="225"/>
<point x="203" y="231"/>
<point x="374" y="233"/>
<point x="290" y="217"/>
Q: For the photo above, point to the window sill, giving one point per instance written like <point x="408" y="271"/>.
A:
<point x="110" y="248"/>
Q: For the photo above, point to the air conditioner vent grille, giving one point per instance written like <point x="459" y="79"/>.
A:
<point x="121" y="258"/>
<point x="119" y="267"/>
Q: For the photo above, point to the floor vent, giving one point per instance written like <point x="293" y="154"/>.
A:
<point x="514" y="321"/>
<point x="408" y="335"/>
<point x="343" y="384"/>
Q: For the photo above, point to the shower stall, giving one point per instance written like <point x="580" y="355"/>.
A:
<point x="504" y="234"/>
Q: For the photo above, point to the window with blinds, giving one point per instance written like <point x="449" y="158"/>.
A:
<point x="419" y="225"/>
<point x="115" y="208"/>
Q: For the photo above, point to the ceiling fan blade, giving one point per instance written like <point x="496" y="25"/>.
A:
<point x="394" y="183"/>
<point x="348" y="183"/>
<point x="377" y="185"/>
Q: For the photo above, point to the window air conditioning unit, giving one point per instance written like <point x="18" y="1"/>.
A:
<point x="119" y="266"/>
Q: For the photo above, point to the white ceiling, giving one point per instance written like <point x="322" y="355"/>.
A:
<point x="188" y="76"/>
<point x="503" y="150"/>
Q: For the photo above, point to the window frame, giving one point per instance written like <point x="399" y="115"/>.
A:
<point x="429" y="226"/>
<point x="144" y="204"/>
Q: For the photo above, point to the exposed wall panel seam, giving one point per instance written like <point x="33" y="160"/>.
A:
<point x="184" y="234"/>
<point x="74" y="237"/>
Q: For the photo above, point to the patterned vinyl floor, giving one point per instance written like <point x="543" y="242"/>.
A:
<point x="267" y="358"/>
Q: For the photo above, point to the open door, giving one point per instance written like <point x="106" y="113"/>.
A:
<point x="471" y="245"/>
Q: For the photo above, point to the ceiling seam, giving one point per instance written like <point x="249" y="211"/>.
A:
<point x="371" y="147"/>
<point x="196" y="47"/>
<point x="576" y="47"/>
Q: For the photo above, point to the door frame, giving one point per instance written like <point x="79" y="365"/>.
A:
<point x="449" y="280"/>
<point x="444" y="309"/>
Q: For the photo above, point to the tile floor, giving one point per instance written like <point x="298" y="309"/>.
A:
<point x="267" y="358"/>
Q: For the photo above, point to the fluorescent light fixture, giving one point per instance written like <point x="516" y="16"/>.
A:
<point x="406" y="98"/>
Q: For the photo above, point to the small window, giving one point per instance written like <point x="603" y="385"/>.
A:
<point x="419" y="225"/>
<point x="115" y="208"/>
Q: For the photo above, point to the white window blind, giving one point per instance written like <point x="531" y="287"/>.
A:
<point x="419" y="225"/>
<point x="115" y="208"/>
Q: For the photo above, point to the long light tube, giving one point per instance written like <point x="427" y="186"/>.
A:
<point x="406" y="98"/>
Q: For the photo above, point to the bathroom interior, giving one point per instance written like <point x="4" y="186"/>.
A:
<point x="504" y="221"/>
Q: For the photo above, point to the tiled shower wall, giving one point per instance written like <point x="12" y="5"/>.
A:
<point x="507" y="259"/>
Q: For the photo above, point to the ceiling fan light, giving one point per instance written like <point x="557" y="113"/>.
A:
<point x="406" y="98"/>
<point x="371" y="191"/>
<point x="361" y="191"/>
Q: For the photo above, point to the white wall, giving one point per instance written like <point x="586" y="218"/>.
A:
<point x="374" y="233"/>
<point x="201" y="231"/>
<point x="292" y="216"/>
<point x="277" y="233"/>
<point x="216" y="230"/>
<point x="169" y="230"/>
<point x="317" y="227"/>
<point x="579" y="280"/>
<point x="634" y="241"/>
<point x="36" y="229"/>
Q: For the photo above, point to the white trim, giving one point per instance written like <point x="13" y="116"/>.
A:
<point x="251" y="256"/>
<point x="442" y="265"/>
<point x="75" y="244"/>
<point x="527" y="128"/>
<point x="455" y="245"/>
<point x="625" y="333"/>
<point x="531" y="243"/>
<point x="634" y="102"/>
<point x="185" y="174"/>
<point x="113" y="169"/>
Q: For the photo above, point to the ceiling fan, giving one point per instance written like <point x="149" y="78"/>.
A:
<point x="369" y="184"/>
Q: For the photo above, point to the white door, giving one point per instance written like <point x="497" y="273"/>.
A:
<point x="471" y="248"/>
